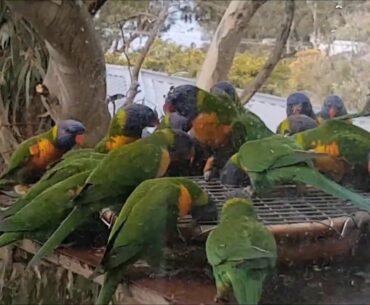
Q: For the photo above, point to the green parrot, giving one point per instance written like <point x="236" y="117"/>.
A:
<point x="149" y="213"/>
<point x="338" y="138"/>
<point x="127" y="126"/>
<point x="218" y="121"/>
<point x="241" y="251"/>
<point x="38" y="218"/>
<point x="61" y="171"/>
<point x="278" y="160"/>
<point x="31" y="158"/>
<point x="117" y="175"/>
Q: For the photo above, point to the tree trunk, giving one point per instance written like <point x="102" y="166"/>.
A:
<point x="76" y="71"/>
<point x="225" y="42"/>
<point x="275" y="56"/>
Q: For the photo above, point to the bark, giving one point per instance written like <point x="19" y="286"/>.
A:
<point x="133" y="90"/>
<point x="76" y="71"/>
<point x="275" y="56"/>
<point x="225" y="41"/>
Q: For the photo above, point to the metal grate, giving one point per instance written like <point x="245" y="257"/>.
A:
<point x="284" y="205"/>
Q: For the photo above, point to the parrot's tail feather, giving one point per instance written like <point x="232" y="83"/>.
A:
<point x="111" y="280"/>
<point x="247" y="285"/>
<point x="314" y="178"/>
<point x="74" y="219"/>
<point x="8" y="238"/>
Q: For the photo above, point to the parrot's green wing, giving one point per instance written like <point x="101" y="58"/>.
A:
<point x="79" y="153"/>
<point x="146" y="224"/>
<point x="260" y="155"/>
<point x="58" y="173"/>
<point x="249" y="240"/>
<point x="48" y="208"/>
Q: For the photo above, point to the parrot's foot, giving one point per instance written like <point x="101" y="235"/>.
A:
<point x="107" y="217"/>
<point x="251" y="192"/>
<point x="126" y="289"/>
<point x="207" y="175"/>
<point x="220" y="299"/>
<point x="21" y="189"/>
<point x="301" y="188"/>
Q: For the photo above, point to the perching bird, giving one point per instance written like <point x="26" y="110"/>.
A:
<point x="127" y="126"/>
<point x="218" y="122"/>
<point x="117" y="175"/>
<point x="347" y="147"/>
<point x="332" y="107"/>
<point x="241" y="251"/>
<point x="278" y="160"/>
<point x="299" y="103"/>
<point x="38" y="218"/>
<point x="226" y="88"/>
<point x="149" y="214"/>
<point x="296" y="123"/>
<point x="61" y="171"/>
<point x="32" y="156"/>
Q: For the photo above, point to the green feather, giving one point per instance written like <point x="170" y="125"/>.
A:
<point x="111" y="280"/>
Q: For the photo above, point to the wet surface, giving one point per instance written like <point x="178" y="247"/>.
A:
<point x="346" y="281"/>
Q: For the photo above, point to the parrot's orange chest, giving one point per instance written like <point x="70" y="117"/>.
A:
<point x="208" y="130"/>
<point x="44" y="153"/>
<point x="118" y="141"/>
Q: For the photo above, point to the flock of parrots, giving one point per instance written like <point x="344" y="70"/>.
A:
<point x="61" y="189"/>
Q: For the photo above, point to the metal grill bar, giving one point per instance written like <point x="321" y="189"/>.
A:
<point x="284" y="205"/>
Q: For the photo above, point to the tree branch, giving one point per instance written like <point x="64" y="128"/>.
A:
<point x="133" y="90"/>
<point x="275" y="56"/>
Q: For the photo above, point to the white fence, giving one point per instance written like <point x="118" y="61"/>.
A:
<point x="155" y="85"/>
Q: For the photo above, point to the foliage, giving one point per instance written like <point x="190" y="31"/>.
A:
<point x="172" y="59"/>
<point x="23" y="61"/>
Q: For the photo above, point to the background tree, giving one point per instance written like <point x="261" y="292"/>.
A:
<point x="76" y="69"/>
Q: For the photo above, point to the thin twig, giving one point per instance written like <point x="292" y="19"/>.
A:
<point x="133" y="90"/>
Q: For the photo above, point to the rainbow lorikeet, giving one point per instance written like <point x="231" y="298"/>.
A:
<point x="218" y="122"/>
<point x="296" y="123"/>
<point x="278" y="160"/>
<point x="241" y="251"/>
<point x="117" y="175"/>
<point x="299" y="103"/>
<point x="332" y="107"/>
<point x="32" y="156"/>
<point x="127" y="126"/>
<point x="346" y="145"/>
<point x="150" y="212"/>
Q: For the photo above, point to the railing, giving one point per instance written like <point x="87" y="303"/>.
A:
<point x="155" y="85"/>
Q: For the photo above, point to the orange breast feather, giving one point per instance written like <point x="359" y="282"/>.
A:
<point x="43" y="153"/>
<point x="208" y="130"/>
<point x="118" y="141"/>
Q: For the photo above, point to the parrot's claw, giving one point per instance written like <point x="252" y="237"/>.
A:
<point x="250" y="191"/>
<point x="207" y="175"/>
<point x="219" y="299"/>
<point x="126" y="289"/>
<point x="21" y="189"/>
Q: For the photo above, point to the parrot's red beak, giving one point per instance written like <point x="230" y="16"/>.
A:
<point x="296" y="109"/>
<point x="168" y="107"/>
<point x="80" y="139"/>
<point x="332" y="112"/>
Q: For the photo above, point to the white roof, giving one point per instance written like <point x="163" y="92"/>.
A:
<point x="155" y="85"/>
